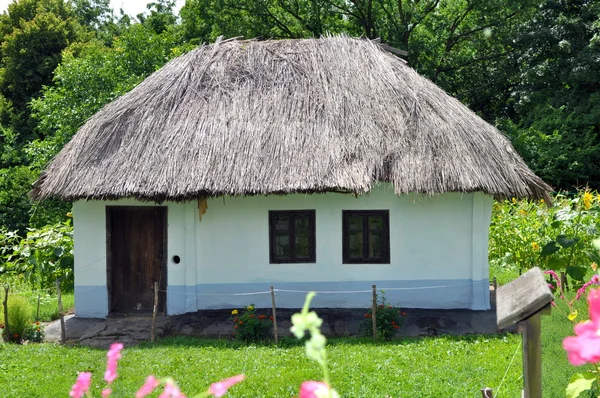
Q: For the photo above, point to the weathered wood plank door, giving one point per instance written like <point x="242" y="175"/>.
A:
<point x="136" y="257"/>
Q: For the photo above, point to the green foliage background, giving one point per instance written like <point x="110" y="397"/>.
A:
<point x="528" y="66"/>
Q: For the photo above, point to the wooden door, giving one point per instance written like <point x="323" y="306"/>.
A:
<point x="136" y="257"/>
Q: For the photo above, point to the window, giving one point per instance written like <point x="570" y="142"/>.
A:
<point x="366" y="236"/>
<point x="292" y="236"/>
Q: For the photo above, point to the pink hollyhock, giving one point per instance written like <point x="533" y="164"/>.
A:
<point x="113" y="355"/>
<point x="149" y="386"/>
<point x="171" y="391"/>
<point x="315" y="389"/>
<point x="106" y="392"/>
<point x="81" y="385"/>
<point x="220" y="388"/>
<point x="585" y="346"/>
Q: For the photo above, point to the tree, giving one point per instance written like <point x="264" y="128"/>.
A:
<point x="34" y="32"/>
<point x="557" y="98"/>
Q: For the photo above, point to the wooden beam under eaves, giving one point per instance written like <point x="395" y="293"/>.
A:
<point x="202" y="206"/>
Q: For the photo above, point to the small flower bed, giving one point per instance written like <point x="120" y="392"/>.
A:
<point x="387" y="318"/>
<point x="250" y="326"/>
<point x="33" y="333"/>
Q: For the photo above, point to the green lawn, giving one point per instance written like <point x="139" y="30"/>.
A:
<point x="420" y="367"/>
<point x="429" y="367"/>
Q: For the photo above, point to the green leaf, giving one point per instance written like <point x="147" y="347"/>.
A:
<point x="555" y="263"/>
<point x="566" y="242"/>
<point x="550" y="248"/>
<point x="579" y="383"/>
<point x="556" y="224"/>
<point x="577" y="273"/>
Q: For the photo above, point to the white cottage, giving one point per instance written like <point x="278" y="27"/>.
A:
<point x="320" y="164"/>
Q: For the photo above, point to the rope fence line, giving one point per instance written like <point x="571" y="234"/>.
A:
<point x="318" y="291"/>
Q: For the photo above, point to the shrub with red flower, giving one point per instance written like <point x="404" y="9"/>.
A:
<point x="387" y="318"/>
<point x="250" y="326"/>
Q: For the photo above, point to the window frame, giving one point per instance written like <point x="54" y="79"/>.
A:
<point x="365" y="259"/>
<point x="312" y="246"/>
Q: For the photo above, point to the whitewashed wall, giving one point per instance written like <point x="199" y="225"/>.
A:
<point x="438" y="253"/>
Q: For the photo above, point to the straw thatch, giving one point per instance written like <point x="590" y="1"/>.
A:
<point x="261" y="117"/>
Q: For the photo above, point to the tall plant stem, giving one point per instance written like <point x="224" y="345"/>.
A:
<point x="575" y="236"/>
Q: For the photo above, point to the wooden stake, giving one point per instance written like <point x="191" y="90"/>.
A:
<point x="37" y="313"/>
<point x="487" y="392"/>
<point x="5" y="303"/>
<point x="63" y="332"/>
<point x="275" y="332"/>
<point x="154" y="310"/>
<point x="563" y="281"/>
<point x="532" y="356"/>
<point x="374" y="311"/>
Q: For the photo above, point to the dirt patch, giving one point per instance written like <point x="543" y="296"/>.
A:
<point x="217" y="324"/>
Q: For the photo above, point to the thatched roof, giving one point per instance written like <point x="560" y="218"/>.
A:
<point x="262" y="117"/>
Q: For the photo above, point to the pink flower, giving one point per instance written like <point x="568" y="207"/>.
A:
<point x="106" y="392"/>
<point x="113" y="355"/>
<point x="220" y="388"/>
<point x="585" y="346"/>
<point x="149" y="386"/>
<point x="82" y="385"/>
<point x="594" y="281"/>
<point x="554" y="276"/>
<point x="171" y="391"/>
<point x="314" y="389"/>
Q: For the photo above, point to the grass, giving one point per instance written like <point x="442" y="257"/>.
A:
<point x="417" y="367"/>
<point x="428" y="367"/>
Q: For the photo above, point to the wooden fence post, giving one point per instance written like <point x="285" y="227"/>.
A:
<point x="275" y="332"/>
<point x="5" y="304"/>
<point x="63" y="333"/>
<point x="374" y="311"/>
<point x="523" y="302"/>
<point x="154" y="310"/>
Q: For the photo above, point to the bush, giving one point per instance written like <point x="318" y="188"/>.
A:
<point x="19" y="318"/>
<point x="388" y="319"/>
<point x="250" y="326"/>
<point x="34" y="333"/>
<point x="524" y="234"/>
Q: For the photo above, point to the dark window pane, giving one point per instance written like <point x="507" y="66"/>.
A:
<point x="375" y="245"/>
<point x="292" y="236"/>
<point x="302" y="244"/>
<point x="376" y="223"/>
<point x="355" y="223"/>
<point x="301" y="223"/>
<point x="355" y="244"/>
<point x="282" y="246"/>
<point x="282" y="223"/>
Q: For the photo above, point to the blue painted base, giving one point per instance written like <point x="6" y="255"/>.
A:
<point x="92" y="301"/>
<point x="433" y="294"/>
